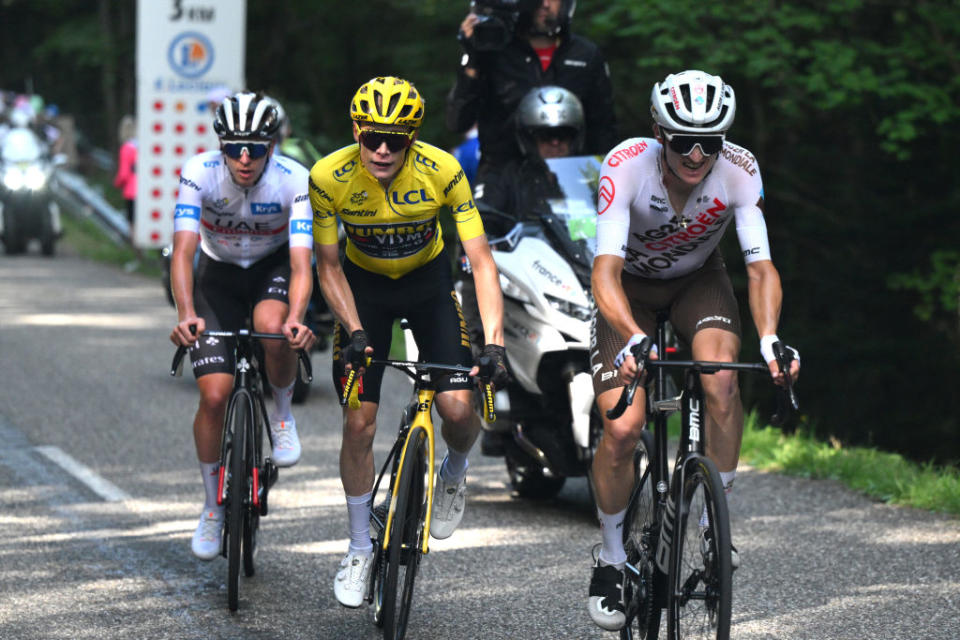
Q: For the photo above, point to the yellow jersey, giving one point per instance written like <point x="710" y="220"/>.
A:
<point x="395" y="230"/>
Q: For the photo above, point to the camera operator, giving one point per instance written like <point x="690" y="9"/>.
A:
<point x="510" y="47"/>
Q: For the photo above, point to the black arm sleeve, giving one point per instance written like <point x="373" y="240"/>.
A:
<point x="601" y="122"/>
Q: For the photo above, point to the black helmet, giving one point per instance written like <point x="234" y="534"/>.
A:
<point x="549" y="108"/>
<point x="247" y="115"/>
<point x="562" y="24"/>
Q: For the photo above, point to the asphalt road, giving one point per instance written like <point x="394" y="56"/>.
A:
<point x="84" y="357"/>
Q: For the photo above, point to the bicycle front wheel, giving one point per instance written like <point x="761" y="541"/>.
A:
<point x="640" y="542"/>
<point x="236" y="492"/>
<point x="700" y="596"/>
<point x="406" y="537"/>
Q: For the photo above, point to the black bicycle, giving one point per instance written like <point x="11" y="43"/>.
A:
<point x="246" y="475"/>
<point x="677" y="528"/>
<point x="402" y="520"/>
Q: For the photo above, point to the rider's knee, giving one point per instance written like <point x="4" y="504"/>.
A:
<point x="358" y="427"/>
<point x="722" y="390"/>
<point x="621" y="437"/>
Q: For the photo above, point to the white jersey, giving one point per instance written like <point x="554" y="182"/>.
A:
<point x="238" y="225"/>
<point x="637" y="222"/>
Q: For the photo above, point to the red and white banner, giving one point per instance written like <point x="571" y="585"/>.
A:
<point x="185" y="49"/>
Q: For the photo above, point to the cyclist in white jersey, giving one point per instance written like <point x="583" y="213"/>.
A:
<point x="663" y="205"/>
<point x="250" y="213"/>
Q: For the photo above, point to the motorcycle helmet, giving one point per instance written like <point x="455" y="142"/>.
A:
<point x="387" y="100"/>
<point x="554" y="28"/>
<point x="693" y="102"/>
<point x="549" y="108"/>
<point x="246" y="115"/>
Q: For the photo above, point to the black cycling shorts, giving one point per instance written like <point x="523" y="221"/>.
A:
<point x="224" y="295"/>
<point x="703" y="299"/>
<point x="425" y="297"/>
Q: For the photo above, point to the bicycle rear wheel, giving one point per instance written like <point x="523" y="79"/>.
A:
<point x="640" y="542"/>
<point x="700" y="596"/>
<point x="406" y="538"/>
<point x="236" y="451"/>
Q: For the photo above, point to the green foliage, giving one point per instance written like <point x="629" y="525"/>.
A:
<point x="939" y="288"/>
<point x="886" y="476"/>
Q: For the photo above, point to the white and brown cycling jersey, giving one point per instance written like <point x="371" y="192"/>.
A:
<point x="637" y="222"/>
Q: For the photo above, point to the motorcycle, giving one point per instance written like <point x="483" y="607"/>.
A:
<point x="27" y="207"/>
<point x="546" y="424"/>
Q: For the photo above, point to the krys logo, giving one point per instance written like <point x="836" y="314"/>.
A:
<point x="190" y="54"/>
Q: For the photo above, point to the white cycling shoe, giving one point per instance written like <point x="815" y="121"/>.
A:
<point x="208" y="536"/>
<point x="286" y="442"/>
<point x="353" y="578"/>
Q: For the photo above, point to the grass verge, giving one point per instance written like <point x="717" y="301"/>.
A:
<point x="88" y="241"/>
<point x="885" y="476"/>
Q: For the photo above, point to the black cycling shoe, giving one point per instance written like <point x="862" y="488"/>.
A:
<point x="607" y="608"/>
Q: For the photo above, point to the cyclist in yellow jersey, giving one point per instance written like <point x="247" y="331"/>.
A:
<point x="387" y="190"/>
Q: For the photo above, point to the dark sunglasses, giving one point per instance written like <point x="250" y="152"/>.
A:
<point x="395" y="140"/>
<point x="549" y="134"/>
<point x="255" y="150"/>
<point x="683" y="143"/>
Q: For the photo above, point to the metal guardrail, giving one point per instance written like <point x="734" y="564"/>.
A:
<point x="72" y="188"/>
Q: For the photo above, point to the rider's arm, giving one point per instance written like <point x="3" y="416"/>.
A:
<point x="181" y="285"/>
<point x="301" y="250"/>
<point x="336" y="290"/>
<point x="610" y="297"/>
<point x="486" y="279"/>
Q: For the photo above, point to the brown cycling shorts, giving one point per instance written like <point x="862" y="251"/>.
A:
<point x="702" y="299"/>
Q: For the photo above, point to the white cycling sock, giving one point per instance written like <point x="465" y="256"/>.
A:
<point x="210" y="472"/>
<point x="358" y="511"/>
<point x="611" y="551"/>
<point x="454" y="466"/>
<point x="282" y="397"/>
<point x="726" y="479"/>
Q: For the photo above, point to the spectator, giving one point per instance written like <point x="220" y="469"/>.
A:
<point x="126" y="178"/>
<point x="507" y="54"/>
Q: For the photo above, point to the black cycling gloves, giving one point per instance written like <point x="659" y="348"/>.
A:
<point x="354" y="353"/>
<point x="496" y="355"/>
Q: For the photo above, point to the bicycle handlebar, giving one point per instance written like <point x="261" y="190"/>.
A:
<point x="304" y="366"/>
<point x="413" y="369"/>
<point x="641" y="352"/>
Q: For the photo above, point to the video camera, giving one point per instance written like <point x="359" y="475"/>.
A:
<point x="496" y="23"/>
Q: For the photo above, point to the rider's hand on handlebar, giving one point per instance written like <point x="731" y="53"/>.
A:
<point x="299" y="335"/>
<point x="766" y="350"/>
<point x="357" y="351"/>
<point x="186" y="332"/>
<point x="496" y="354"/>
<point x="625" y="361"/>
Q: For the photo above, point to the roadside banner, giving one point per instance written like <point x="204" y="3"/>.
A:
<point x="187" y="50"/>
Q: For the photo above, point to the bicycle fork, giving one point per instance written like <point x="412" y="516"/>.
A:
<point x="421" y="419"/>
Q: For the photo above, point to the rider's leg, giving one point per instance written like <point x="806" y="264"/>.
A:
<point x="722" y="394"/>
<point x="281" y="360"/>
<point x="459" y="429"/>
<point x="207" y="425"/>
<point x="612" y="469"/>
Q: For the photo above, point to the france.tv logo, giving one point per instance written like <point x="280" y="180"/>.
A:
<point x="190" y="54"/>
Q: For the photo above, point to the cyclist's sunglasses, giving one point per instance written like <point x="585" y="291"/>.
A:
<point x="549" y="134"/>
<point x="683" y="143"/>
<point x="255" y="150"/>
<point x="395" y="140"/>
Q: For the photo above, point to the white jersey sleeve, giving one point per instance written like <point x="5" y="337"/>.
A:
<point x="186" y="215"/>
<point x="747" y="192"/>
<point x="295" y="194"/>
<point x="616" y="191"/>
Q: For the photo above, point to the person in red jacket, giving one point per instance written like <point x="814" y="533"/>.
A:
<point x="126" y="178"/>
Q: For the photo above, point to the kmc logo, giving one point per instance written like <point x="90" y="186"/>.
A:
<point x="190" y="54"/>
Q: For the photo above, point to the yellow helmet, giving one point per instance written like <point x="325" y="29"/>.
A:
<point x="387" y="100"/>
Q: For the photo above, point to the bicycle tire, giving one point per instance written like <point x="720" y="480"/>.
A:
<point x="640" y="542"/>
<point x="700" y="597"/>
<point x="235" y="496"/>
<point x="251" y="522"/>
<point x="406" y="536"/>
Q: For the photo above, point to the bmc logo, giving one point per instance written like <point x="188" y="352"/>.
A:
<point x="265" y="208"/>
<point x="412" y="197"/>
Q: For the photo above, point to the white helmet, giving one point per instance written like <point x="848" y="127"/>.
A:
<point x="693" y="102"/>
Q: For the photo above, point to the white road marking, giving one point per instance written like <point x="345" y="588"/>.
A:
<point x="99" y="485"/>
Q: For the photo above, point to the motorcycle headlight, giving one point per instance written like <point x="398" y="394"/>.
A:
<point x="13" y="178"/>
<point x="568" y="308"/>
<point x="35" y="178"/>
<point x="511" y="290"/>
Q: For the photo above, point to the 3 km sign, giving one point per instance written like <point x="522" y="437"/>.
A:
<point x="185" y="48"/>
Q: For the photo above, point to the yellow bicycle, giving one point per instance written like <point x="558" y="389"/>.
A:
<point x="402" y="520"/>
